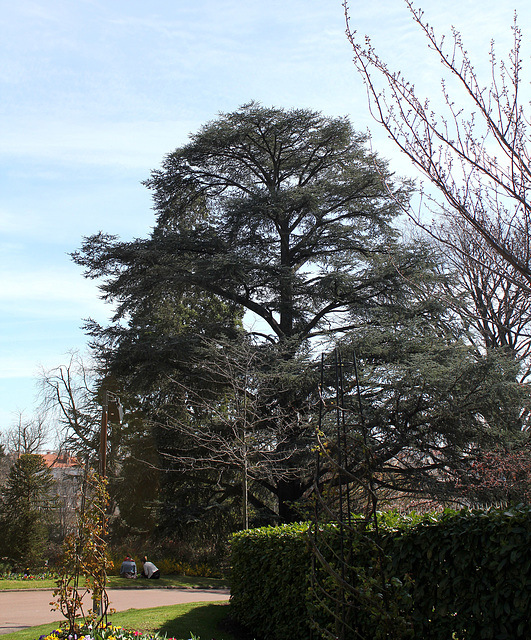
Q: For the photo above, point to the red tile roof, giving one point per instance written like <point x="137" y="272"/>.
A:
<point x="60" y="460"/>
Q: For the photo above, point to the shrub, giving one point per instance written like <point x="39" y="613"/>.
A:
<point x="270" y="581"/>
<point x="456" y="574"/>
<point x="471" y="574"/>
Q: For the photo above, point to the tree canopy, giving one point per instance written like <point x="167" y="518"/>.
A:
<point x="283" y="213"/>
<point x="276" y="237"/>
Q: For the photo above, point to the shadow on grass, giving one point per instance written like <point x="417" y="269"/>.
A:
<point x="205" y="622"/>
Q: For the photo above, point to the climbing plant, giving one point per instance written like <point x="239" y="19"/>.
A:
<point x="85" y="560"/>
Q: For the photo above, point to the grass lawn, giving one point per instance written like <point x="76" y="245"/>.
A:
<point x="176" y="621"/>
<point x="115" y="582"/>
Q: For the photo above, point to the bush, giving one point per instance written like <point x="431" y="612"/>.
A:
<point x="270" y="581"/>
<point x="465" y="573"/>
<point x="471" y="574"/>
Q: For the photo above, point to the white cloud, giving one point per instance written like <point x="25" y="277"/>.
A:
<point x="124" y="144"/>
<point x="49" y="292"/>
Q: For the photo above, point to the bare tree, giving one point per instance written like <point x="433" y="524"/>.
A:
<point x="475" y="153"/>
<point x="235" y="433"/>
<point x="491" y="299"/>
<point x="28" y="435"/>
<point x="69" y="394"/>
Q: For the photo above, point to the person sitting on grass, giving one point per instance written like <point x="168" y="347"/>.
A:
<point x="128" y="568"/>
<point x="149" y="570"/>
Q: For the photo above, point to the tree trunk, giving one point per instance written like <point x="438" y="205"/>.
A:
<point x="288" y="492"/>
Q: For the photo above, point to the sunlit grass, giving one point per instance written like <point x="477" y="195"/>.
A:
<point x="178" y="621"/>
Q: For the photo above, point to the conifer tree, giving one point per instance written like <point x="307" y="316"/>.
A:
<point x="280" y="221"/>
<point x="26" y="510"/>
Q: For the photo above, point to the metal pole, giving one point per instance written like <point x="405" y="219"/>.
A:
<point x="103" y="434"/>
<point x="97" y="602"/>
<point x="245" y="491"/>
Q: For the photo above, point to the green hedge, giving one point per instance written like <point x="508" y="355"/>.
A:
<point x="471" y="574"/>
<point x="466" y="573"/>
<point x="270" y="581"/>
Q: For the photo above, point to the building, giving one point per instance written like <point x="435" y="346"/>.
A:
<point x="68" y="473"/>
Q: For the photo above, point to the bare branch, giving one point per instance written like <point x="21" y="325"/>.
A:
<point x="476" y="154"/>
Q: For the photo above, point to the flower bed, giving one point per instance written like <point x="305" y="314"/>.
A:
<point x="39" y="575"/>
<point x="106" y="632"/>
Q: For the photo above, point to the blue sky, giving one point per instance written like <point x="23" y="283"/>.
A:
<point x="94" y="93"/>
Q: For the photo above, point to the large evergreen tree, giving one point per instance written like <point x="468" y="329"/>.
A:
<point x="286" y="216"/>
<point x="283" y="213"/>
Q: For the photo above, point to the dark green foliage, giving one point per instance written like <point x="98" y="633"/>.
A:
<point x="284" y="214"/>
<point x="191" y="511"/>
<point x="430" y="405"/>
<point x="467" y="573"/>
<point x="135" y="487"/>
<point x="353" y="592"/>
<point x="275" y="594"/>
<point x="471" y="574"/>
<point x="26" y="510"/>
<point x="270" y="581"/>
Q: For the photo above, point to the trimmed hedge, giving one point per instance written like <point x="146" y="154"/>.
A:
<point x="270" y="581"/>
<point x="467" y="573"/>
<point x="471" y="574"/>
